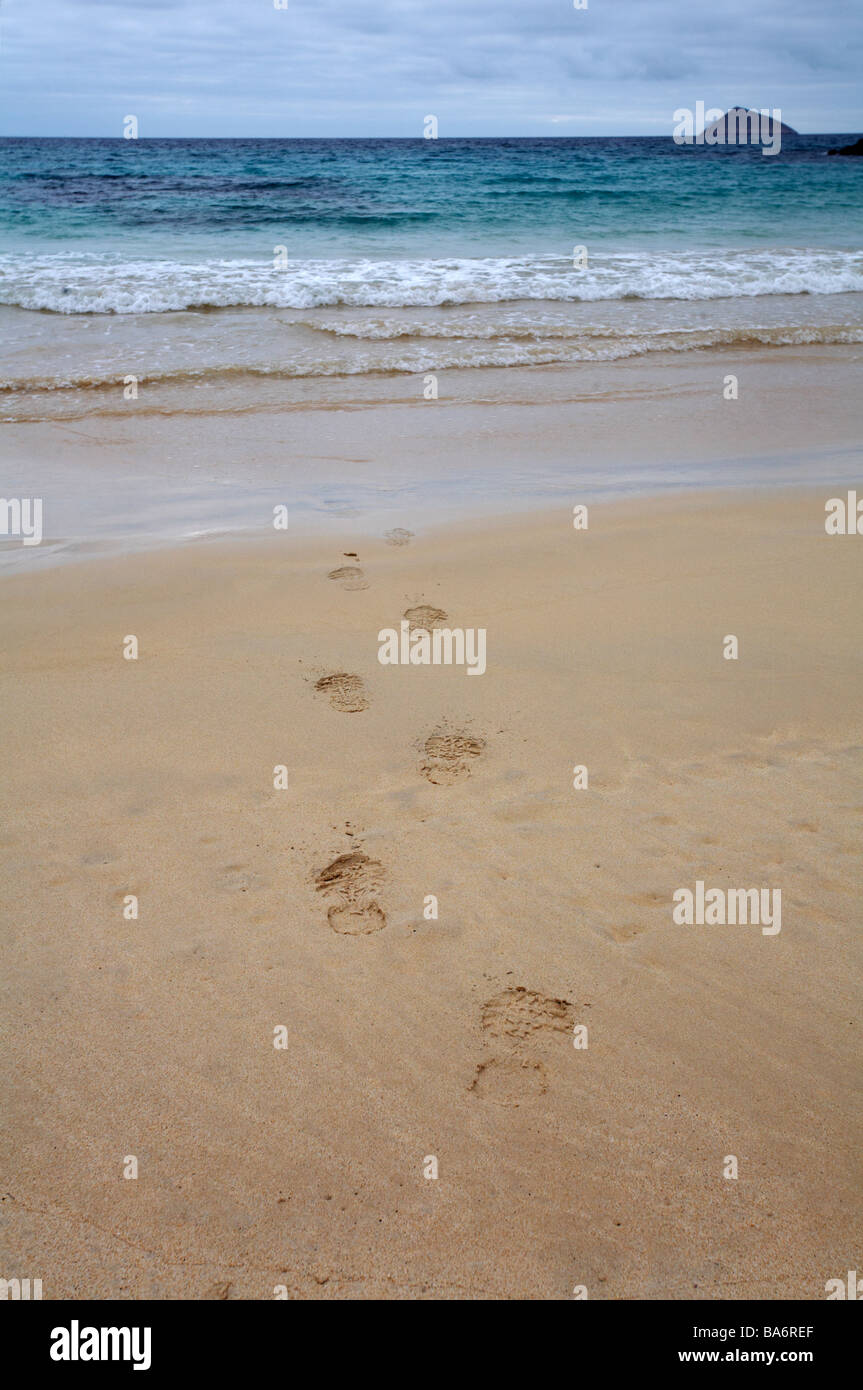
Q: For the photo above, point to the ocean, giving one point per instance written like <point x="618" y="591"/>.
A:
<point x="136" y="226"/>
<point x="229" y="278"/>
<point x="412" y="255"/>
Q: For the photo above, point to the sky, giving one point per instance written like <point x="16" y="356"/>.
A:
<point x="211" y="68"/>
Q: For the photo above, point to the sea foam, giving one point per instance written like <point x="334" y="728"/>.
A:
<point x="89" y="283"/>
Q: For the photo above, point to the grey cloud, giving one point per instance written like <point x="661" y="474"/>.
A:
<point x="377" y="67"/>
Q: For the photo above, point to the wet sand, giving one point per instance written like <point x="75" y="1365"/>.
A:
<point x="370" y="453"/>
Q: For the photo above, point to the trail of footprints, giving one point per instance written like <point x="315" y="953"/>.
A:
<point x="352" y="882"/>
<point x="448" y="754"/>
<point x="519" y="1024"/>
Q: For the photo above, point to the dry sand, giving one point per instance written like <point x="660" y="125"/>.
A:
<point x="452" y="1037"/>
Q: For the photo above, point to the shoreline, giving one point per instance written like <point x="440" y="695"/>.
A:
<point x="307" y="544"/>
<point x="496" y="440"/>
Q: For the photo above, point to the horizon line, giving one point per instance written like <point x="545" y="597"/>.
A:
<point x="425" y="140"/>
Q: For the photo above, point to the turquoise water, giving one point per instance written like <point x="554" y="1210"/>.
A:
<point x="142" y="226"/>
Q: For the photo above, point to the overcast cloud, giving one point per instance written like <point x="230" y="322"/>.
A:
<point x="378" y="67"/>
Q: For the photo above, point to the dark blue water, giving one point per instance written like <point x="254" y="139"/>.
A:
<point x="423" y="198"/>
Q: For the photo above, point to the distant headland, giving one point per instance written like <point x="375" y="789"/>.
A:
<point x="742" y="125"/>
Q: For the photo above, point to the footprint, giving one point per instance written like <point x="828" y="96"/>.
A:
<point x="524" y="1021"/>
<point x="236" y="878"/>
<point x="354" y="880"/>
<point x="351" y="874"/>
<point x="509" y="1081"/>
<point x="398" y="536"/>
<point x="424" y="618"/>
<point x="520" y="1013"/>
<point x="347" y="693"/>
<point x="448" y="757"/>
<point x="351" y="577"/>
<point x="356" y="921"/>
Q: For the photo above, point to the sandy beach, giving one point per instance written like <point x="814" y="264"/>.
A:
<point x="431" y="501"/>
<point x="304" y="1168"/>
